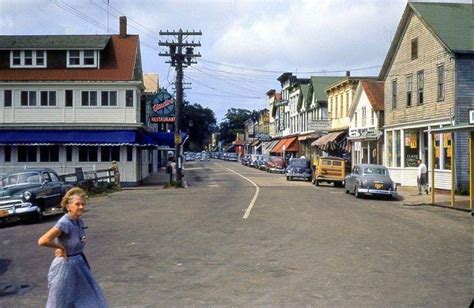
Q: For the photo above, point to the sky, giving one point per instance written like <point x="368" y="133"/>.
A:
<point x="246" y="44"/>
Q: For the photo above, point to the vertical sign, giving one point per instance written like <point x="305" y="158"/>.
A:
<point x="162" y="108"/>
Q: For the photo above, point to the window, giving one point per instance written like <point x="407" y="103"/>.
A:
<point x="355" y="119"/>
<point x="87" y="154"/>
<point x="398" y="153"/>
<point x="347" y="104"/>
<point x="409" y="89"/>
<point x="447" y="151"/>
<point x="8" y="153"/>
<point x="27" y="154"/>
<point x="341" y="113"/>
<point x="89" y="98"/>
<point x="372" y="122"/>
<point x="28" y="58"/>
<point x="7" y="98"/>
<point x="336" y="108"/>
<point x="364" y="117"/>
<point x="54" y="177"/>
<point x="129" y="153"/>
<point x="49" y="153"/>
<point x="28" y="98"/>
<point x="412" y="147"/>
<point x="48" y="98"/>
<point x="45" y="177"/>
<point x="110" y="153"/>
<point x="129" y="98"/>
<point x="68" y="153"/>
<point x="440" y="70"/>
<point x="420" y="78"/>
<point x="389" y="161"/>
<point x="414" y="48"/>
<point x="69" y="98"/>
<point x="109" y="98"/>
<point x="82" y="58"/>
<point x="394" y="94"/>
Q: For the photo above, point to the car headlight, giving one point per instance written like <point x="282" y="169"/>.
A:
<point x="27" y="195"/>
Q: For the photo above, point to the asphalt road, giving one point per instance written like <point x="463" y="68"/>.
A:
<point x="300" y="245"/>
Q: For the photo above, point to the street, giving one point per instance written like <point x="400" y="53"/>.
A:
<point x="299" y="245"/>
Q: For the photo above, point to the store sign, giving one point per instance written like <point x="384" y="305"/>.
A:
<point x="367" y="132"/>
<point x="357" y="146"/>
<point x="319" y="125"/>
<point x="471" y="116"/>
<point x="162" y="108"/>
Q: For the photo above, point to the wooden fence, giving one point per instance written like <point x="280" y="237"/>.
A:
<point x="110" y="175"/>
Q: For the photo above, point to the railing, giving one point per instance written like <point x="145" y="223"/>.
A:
<point x="111" y="175"/>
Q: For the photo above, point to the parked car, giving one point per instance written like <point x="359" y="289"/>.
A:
<point x="275" y="164"/>
<point x="262" y="162"/>
<point x="298" y="168"/>
<point x="254" y="160"/>
<point x="232" y="157"/>
<point x="245" y="160"/>
<point x="331" y="170"/>
<point x="30" y="193"/>
<point x="205" y="156"/>
<point x="189" y="157"/>
<point x="367" y="179"/>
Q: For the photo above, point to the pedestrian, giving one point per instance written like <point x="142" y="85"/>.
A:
<point x="421" y="177"/>
<point x="70" y="280"/>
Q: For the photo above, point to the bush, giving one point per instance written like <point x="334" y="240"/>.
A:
<point x="97" y="188"/>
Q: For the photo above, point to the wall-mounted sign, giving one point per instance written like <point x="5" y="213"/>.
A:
<point x="162" y="108"/>
<point x="319" y="125"/>
<point x="471" y="116"/>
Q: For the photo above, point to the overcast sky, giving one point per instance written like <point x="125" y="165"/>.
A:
<point x="246" y="44"/>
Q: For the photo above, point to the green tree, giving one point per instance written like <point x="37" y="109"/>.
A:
<point x="233" y="123"/>
<point x="199" y="123"/>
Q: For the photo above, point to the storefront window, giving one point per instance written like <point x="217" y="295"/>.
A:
<point x="412" y="147"/>
<point x="389" y="149"/>
<point x="447" y="147"/>
<point x="398" y="154"/>
<point x="437" y="149"/>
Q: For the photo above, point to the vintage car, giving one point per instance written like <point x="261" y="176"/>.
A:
<point x="298" y="168"/>
<point x="30" y="193"/>
<point x="275" y="164"/>
<point x="331" y="170"/>
<point x="262" y="162"/>
<point x="366" y="179"/>
<point x="232" y="157"/>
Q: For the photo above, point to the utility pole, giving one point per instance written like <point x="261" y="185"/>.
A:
<point x="181" y="53"/>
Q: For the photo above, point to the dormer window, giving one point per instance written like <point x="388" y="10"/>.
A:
<point x="27" y="58"/>
<point x="82" y="58"/>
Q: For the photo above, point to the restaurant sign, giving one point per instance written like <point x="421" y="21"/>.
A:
<point x="162" y="108"/>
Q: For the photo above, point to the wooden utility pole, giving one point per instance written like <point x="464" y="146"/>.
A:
<point x="181" y="53"/>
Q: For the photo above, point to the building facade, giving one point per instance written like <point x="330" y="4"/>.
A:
<point x="428" y="85"/>
<point x="72" y="101"/>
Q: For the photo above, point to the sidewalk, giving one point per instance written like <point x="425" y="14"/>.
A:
<point x="157" y="179"/>
<point x="409" y="196"/>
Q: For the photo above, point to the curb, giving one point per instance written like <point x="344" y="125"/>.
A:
<point x="439" y="205"/>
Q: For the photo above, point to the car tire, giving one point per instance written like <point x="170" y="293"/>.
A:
<point x="287" y="178"/>
<point x="356" y="192"/>
<point x="346" y="189"/>
<point x="316" y="182"/>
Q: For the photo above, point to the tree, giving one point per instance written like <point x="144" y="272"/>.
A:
<point x="233" y="123"/>
<point x="199" y="123"/>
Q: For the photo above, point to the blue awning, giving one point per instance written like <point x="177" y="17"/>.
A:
<point x="80" y="137"/>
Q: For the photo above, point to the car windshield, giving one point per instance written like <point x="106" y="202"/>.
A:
<point x="375" y="170"/>
<point x="21" y="178"/>
<point x="298" y="162"/>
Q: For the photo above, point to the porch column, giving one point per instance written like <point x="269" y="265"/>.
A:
<point x="432" y="151"/>
<point x="453" y="171"/>
<point x="402" y="148"/>
<point x="368" y="152"/>
<point x="471" y="169"/>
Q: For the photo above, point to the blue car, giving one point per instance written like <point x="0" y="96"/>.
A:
<point x="298" y="168"/>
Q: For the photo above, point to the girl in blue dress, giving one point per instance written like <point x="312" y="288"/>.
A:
<point x="70" y="279"/>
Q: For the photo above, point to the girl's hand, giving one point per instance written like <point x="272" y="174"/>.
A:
<point x="61" y="252"/>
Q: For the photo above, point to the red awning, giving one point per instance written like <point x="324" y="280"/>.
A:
<point x="278" y="146"/>
<point x="289" y="145"/>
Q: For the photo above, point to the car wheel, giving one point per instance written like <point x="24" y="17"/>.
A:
<point x="356" y="192"/>
<point x="346" y="189"/>
<point x="287" y="178"/>
<point x="316" y="182"/>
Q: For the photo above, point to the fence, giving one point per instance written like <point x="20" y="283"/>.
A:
<point x="110" y="175"/>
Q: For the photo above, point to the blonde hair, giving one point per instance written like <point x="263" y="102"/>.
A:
<point x="75" y="191"/>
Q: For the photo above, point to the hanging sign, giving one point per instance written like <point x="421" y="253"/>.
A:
<point x="162" y="108"/>
<point x="471" y="116"/>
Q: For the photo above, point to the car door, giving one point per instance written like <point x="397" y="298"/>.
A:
<point x="351" y="178"/>
<point x="57" y="189"/>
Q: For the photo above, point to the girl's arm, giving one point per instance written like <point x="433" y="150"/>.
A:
<point x="48" y="240"/>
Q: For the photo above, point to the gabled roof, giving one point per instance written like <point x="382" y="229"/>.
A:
<point x="375" y="93"/>
<point x="304" y="88"/>
<point x="49" y="42"/>
<point x="120" y="59"/>
<point x="319" y="85"/>
<point x="451" y="23"/>
<point x="347" y="79"/>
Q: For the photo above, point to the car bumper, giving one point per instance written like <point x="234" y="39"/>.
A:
<point x="12" y="212"/>
<point x="370" y="191"/>
<point x="277" y="170"/>
<point x="299" y="175"/>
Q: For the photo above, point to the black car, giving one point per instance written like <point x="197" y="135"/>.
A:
<point x="30" y="193"/>
<point x="298" y="168"/>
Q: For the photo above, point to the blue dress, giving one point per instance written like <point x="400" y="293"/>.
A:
<point x="70" y="280"/>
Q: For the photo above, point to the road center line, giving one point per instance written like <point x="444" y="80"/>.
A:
<point x="249" y="209"/>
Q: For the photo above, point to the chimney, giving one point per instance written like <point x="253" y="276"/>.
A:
<point x="123" y="26"/>
<point x="348" y="73"/>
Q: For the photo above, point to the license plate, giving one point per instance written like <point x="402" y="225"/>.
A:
<point x="378" y="185"/>
<point x="3" y="213"/>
